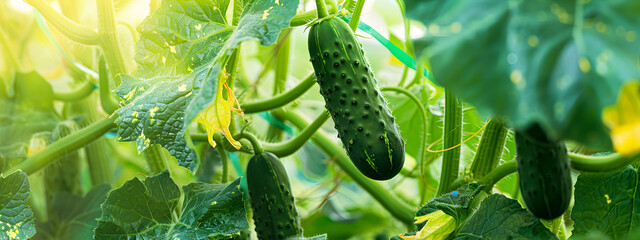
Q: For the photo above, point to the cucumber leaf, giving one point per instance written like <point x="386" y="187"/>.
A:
<point x="499" y="217"/>
<point x="558" y="63"/>
<point x="148" y="209"/>
<point x="26" y="109"/>
<point x="76" y="216"/>
<point x="16" y="217"/>
<point x="607" y="202"/>
<point x="183" y="47"/>
<point x="456" y="204"/>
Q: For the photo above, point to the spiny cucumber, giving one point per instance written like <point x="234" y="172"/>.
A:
<point x="274" y="210"/>
<point x="360" y="113"/>
<point x="543" y="173"/>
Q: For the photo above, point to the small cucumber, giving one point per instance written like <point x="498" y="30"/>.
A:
<point x="360" y="113"/>
<point x="274" y="210"/>
<point x="543" y="173"/>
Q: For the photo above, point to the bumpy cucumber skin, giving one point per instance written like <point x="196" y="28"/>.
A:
<point x="543" y="173"/>
<point x="360" y="113"/>
<point x="274" y="211"/>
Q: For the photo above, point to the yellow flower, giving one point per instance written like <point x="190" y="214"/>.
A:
<point x="217" y="117"/>
<point x="624" y="120"/>
<point x="438" y="227"/>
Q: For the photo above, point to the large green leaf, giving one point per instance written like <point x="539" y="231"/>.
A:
<point x="148" y="209"/>
<point x="75" y="216"/>
<point x="558" y="63"/>
<point x="181" y="35"/>
<point x="16" y="217"/>
<point x="183" y="46"/>
<point x="26" y="110"/>
<point x="607" y="202"/>
<point x="456" y="204"/>
<point x="499" y="217"/>
<point x="155" y="114"/>
<point x="262" y="21"/>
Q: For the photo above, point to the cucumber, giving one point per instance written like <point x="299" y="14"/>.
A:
<point x="274" y="210"/>
<point x="360" y="113"/>
<point x="543" y="173"/>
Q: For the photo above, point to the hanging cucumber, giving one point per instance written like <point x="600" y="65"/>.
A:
<point x="363" y="120"/>
<point x="543" y="173"/>
<point x="274" y="210"/>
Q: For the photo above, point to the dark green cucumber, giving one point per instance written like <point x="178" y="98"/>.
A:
<point x="274" y="210"/>
<point x="360" y="113"/>
<point x="543" y="173"/>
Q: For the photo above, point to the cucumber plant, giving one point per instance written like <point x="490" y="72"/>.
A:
<point x="176" y="123"/>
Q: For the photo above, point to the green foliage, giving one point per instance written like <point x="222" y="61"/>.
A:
<point x="184" y="46"/>
<point x="606" y="202"/>
<point x="499" y="217"/>
<point x="74" y="217"/>
<point x="556" y="63"/>
<point x="149" y="209"/>
<point x="456" y="203"/>
<point x="16" y="217"/>
<point x="180" y="55"/>
<point x="26" y="110"/>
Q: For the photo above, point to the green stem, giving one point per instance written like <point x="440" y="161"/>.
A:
<point x="408" y="47"/>
<point x="308" y="16"/>
<point x="355" y="17"/>
<point x="425" y="127"/>
<point x="232" y="68"/>
<point x="282" y="62"/>
<point x="202" y="137"/>
<point x="395" y="206"/>
<point x="284" y="149"/>
<point x="349" y="5"/>
<point x="417" y="79"/>
<point x="65" y="145"/>
<point x="257" y="145"/>
<point x="322" y="9"/>
<point x="156" y="159"/>
<point x="303" y="18"/>
<point x="225" y="162"/>
<point x="67" y="27"/>
<point x="405" y="73"/>
<point x="452" y="137"/>
<point x="109" y="37"/>
<point x="109" y="105"/>
<point x="600" y="163"/>
<point x="282" y="52"/>
<point x="280" y="100"/>
<point x="578" y="162"/>
<point x="498" y="173"/>
<point x="75" y="94"/>
<point x="490" y="148"/>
